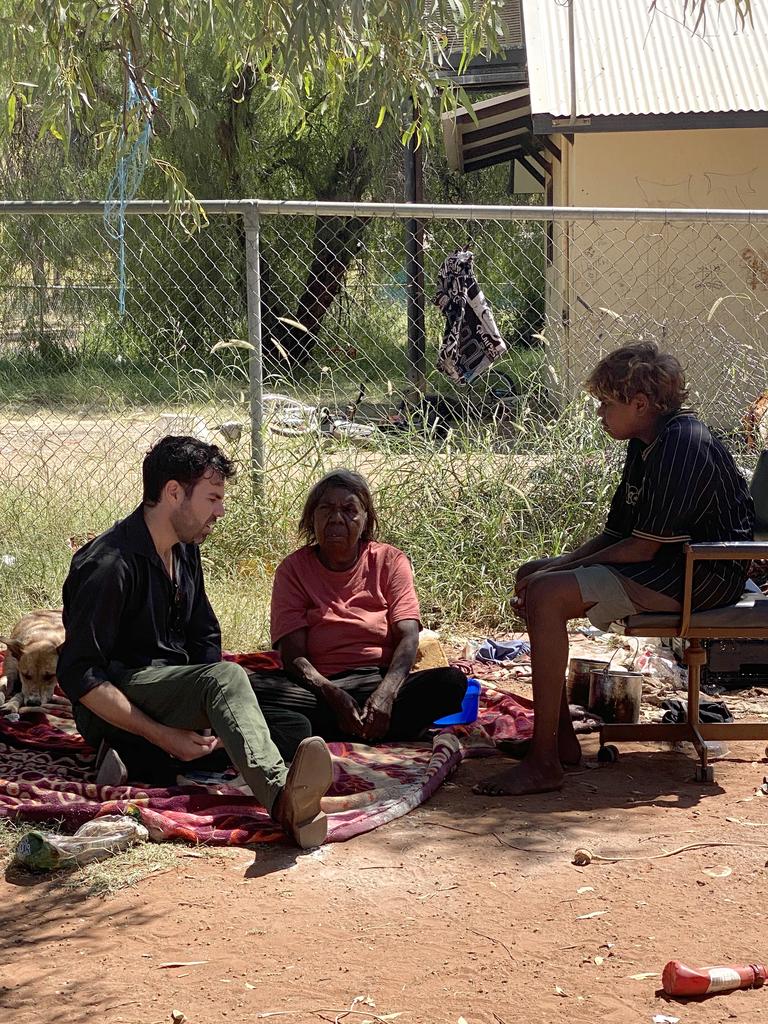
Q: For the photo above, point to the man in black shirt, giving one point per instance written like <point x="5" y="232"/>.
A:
<point x="141" y="661"/>
<point x="679" y="485"/>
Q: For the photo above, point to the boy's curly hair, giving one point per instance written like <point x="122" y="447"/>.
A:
<point x="639" y="370"/>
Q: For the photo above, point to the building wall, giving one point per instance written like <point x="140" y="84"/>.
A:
<point x="612" y="280"/>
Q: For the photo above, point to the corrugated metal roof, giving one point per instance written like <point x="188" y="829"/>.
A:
<point x="632" y="61"/>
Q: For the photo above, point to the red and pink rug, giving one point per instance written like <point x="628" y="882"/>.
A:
<point x="47" y="775"/>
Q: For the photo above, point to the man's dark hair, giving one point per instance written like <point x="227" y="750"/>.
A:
<point x="185" y="459"/>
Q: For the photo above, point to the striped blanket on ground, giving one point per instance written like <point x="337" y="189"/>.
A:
<point x="46" y="775"/>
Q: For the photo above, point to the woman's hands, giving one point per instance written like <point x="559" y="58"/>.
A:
<point x="377" y="714"/>
<point x="370" y="723"/>
<point x="345" y="710"/>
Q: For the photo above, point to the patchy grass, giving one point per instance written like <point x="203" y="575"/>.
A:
<point x="124" y="870"/>
<point x="106" y="877"/>
<point x="10" y="833"/>
<point x="101" y="382"/>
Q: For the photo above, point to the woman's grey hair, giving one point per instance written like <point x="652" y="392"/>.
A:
<point x="353" y="482"/>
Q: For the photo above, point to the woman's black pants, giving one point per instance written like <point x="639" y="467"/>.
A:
<point x="293" y="713"/>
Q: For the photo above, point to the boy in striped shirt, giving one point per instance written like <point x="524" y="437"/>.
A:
<point x="679" y="485"/>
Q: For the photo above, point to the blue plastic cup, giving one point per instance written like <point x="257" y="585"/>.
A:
<point x="469" y="707"/>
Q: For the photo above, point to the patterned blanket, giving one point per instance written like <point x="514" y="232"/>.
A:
<point x="46" y="775"/>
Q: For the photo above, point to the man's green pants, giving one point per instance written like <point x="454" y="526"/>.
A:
<point x="217" y="696"/>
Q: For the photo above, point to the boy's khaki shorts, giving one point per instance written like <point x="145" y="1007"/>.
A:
<point x="602" y="588"/>
<point x="614" y="598"/>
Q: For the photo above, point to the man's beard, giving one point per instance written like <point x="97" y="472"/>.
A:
<point x="191" y="532"/>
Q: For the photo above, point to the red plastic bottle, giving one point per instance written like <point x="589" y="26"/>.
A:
<point x="679" y="980"/>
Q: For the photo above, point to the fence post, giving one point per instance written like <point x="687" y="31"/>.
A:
<point x="414" y="267"/>
<point x="255" y="366"/>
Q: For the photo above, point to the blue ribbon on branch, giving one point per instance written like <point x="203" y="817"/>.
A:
<point x="124" y="187"/>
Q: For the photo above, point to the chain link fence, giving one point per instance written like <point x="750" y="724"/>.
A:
<point x="282" y="331"/>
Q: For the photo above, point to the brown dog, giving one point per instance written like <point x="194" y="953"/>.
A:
<point x="29" y="673"/>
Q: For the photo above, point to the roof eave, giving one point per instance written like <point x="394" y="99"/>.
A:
<point x="549" y="124"/>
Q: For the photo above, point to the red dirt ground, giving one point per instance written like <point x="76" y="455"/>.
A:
<point x="431" y="922"/>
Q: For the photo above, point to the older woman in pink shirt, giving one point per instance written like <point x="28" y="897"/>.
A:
<point x="345" y="619"/>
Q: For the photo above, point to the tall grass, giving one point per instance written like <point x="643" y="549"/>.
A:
<point x="466" y="512"/>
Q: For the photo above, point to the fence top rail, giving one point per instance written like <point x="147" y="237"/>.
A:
<point x="424" y="211"/>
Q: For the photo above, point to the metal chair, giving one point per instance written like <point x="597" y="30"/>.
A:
<point x="747" y="619"/>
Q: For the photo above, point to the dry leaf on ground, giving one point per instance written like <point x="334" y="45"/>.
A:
<point x="183" y="963"/>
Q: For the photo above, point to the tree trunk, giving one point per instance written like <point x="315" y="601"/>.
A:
<point x="337" y="241"/>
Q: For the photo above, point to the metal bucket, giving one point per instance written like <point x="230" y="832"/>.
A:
<point x="616" y="696"/>
<point x="577" y="684"/>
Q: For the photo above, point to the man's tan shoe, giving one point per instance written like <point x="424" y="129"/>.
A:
<point x="309" y="778"/>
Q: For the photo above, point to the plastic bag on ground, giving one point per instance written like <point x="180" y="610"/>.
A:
<point x="96" y="840"/>
<point x="666" y="670"/>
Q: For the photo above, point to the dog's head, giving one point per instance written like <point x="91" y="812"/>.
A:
<point x="36" y="667"/>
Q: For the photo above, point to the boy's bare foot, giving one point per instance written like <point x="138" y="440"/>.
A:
<point x="569" y="750"/>
<point x="523" y="778"/>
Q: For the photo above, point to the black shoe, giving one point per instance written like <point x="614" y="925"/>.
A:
<point x="110" y="770"/>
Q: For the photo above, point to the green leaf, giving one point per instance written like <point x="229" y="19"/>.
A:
<point x="190" y="110"/>
<point x="11" y="112"/>
<point x="464" y="99"/>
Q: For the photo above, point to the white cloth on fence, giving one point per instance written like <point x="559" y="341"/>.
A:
<point x="471" y="340"/>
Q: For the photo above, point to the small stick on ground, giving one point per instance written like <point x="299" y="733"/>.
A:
<point x="381" y="867"/>
<point x="497" y="941"/>
<point x="455" y="828"/>
<point x="469" y="832"/>
<point x="429" y="895"/>
<point x="583" y="857"/>
<point x="324" y="1009"/>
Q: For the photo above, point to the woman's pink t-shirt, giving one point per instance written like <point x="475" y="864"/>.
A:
<point x="349" y="616"/>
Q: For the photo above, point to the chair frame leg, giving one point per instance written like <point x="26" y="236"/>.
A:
<point x="695" y="657"/>
<point x="693" y="730"/>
